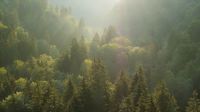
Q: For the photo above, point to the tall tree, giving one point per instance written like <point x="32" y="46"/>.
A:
<point x="68" y="94"/>
<point x="163" y="100"/>
<point x="121" y="90"/>
<point x="109" y="34"/>
<point x="127" y="105"/>
<point x="139" y="91"/>
<point x="51" y="101"/>
<point x="98" y="78"/>
<point x="75" y="57"/>
<point x="82" y="101"/>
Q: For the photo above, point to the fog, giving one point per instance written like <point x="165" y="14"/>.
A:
<point x="124" y="55"/>
<point x="94" y="12"/>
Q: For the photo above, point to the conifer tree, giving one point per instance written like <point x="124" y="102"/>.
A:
<point x="51" y="101"/>
<point x="164" y="101"/>
<point x="109" y="34"/>
<point x="75" y="57"/>
<point x="98" y="78"/>
<point x="121" y="90"/>
<point x="193" y="103"/>
<point x="68" y="94"/>
<point x="150" y="104"/>
<point x="107" y="97"/>
<point x="139" y="91"/>
<point x="126" y="105"/>
<point x="82" y="101"/>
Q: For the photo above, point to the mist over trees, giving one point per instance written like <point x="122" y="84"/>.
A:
<point x="148" y="60"/>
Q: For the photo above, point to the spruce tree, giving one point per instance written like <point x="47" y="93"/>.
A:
<point x="82" y="101"/>
<point x="75" y="57"/>
<point x="163" y="100"/>
<point x="127" y="105"/>
<point x="150" y="104"/>
<point x="51" y="101"/>
<point x="98" y="78"/>
<point x="121" y="90"/>
<point x="139" y="91"/>
<point x="68" y="94"/>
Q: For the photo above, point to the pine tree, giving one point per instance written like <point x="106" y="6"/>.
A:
<point x="121" y="90"/>
<point x="164" y="101"/>
<point x="75" y="57"/>
<point x="127" y="105"/>
<point x="52" y="103"/>
<point x="109" y="34"/>
<point x="85" y="96"/>
<point x="193" y="103"/>
<point x="69" y="91"/>
<point x="82" y="101"/>
<point x="68" y="94"/>
<point x="139" y="91"/>
<point x="107" y="96"/>
<point x="98" y="78"/>
<point x="150" y="104"/>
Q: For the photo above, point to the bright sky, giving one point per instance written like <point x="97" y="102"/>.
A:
<point x="93" y="11"/>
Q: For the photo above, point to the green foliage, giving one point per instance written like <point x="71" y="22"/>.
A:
<point x="68" y="93"/>
<point x="82" y="101"/>
<point x="193" y="103"/>
<point x="86" y="66"/>
<point x="173" y="82"/>
<point x="126" y="105"/>
<point x="109" y="34"/>
<point x="98" y="78"/>
<point x="7" y="84"/>
<point x="163" y="100"/>
<point x="40" y="45"/>
<point x="14" y="103"/>
<point x="2" y="26"/>
<point x="75" y="57"/>
<point x="20" y="84"/>
<point x="139" y="91"/>
<point x="41" y="68"/>
<point x="3" y="71"/>
<point x="121" y="90"/>
<point x="69" y="63"/>
<point x="137" y="100"/>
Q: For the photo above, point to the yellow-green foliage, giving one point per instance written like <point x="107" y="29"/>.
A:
<point x="3" y="71"/>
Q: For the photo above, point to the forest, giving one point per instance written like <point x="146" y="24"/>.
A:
<point x="146" y="60"/>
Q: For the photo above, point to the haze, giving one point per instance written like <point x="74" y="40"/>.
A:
<point x="94" y="12"/>
<point x="123" y="56"/>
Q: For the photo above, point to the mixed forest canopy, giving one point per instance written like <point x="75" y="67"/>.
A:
<point x="148" y="60"/>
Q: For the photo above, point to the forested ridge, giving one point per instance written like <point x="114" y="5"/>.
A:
<point x="147" y="61"/>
